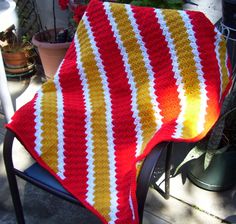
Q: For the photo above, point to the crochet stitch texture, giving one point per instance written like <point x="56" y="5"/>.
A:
<point x="132" y="78"/>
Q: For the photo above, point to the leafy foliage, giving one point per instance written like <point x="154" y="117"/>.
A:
<point x="171" y="4"/>
<point x="10" y="42"/>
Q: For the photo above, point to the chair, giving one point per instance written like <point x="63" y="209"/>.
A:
<point x="42" y="179"/>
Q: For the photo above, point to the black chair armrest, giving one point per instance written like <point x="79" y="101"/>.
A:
<point x="145" y="175"/>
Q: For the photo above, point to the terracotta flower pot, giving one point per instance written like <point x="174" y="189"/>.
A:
<point x="51" y="54"/>
<point x="18" y="61"/>
<point x="15" y="59"/>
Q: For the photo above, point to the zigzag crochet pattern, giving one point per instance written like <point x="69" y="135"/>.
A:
<point x="132" y="78"/>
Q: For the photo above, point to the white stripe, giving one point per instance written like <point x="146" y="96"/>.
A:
<point x="177" y="75"/>
<point x="38" y="122"/>
<point x="137" y="120"/>
<point x="218" y="39"/>
<point x="149" y="68"/>
<point x="60" y="125"/>
<point x="88" y="125"/>
<point x="110" y="137"/>
<point x="203" y="92"/>
<point x="226" y="64"/>
<point x="131" y="206"/>
<point x="228" y="71"/>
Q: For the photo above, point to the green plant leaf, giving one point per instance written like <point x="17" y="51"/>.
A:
<point x="174" y="1"/>
<point x="159" y="3"/>
<point x="137" y="3"/>
<point x="217" y="131"/>
<point x="216" y="135"/>
<point x="142" y="3"/>
<point x="194" y="153"/>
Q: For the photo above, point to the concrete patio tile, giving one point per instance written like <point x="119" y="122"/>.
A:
<point x="42" y="207"/>
<point x="222" y="205"/>
<point x="47" y="208"/>
<point x="174" y="211"/>
<point x="2" y="123"/>
<point x="150" y="218"/>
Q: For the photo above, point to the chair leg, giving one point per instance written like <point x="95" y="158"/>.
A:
<point x="167" y="170"/>
<point x="145" y="176"/>
<point x="16" y="198"/>
<point x="7" y="155"/>
<point x="166" y="193"/>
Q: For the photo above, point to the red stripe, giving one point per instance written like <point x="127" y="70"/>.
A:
<point x="74" y="127"/>
<point x="205" y="39"/>
<point x="228" y="63"/>
<point x="124" y="133"/>
<point x="25" y="131"/>
<point x="160" y="58"/>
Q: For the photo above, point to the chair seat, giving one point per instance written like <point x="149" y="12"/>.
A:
<point x="38" y="173"/>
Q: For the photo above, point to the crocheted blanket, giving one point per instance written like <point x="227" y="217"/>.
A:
<point x="132" y="78"/>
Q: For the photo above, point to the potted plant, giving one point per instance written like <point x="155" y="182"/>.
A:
<point x="51" y="53"/>
<point x="52" y="44"/>
<point x="212" y="161"/>
<point x="17" y="52"/>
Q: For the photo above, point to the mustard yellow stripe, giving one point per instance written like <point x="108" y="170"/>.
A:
<point x="101" y="162"/>
<point x="49" y="125"/>
<point x="135" y="60"/>
<point x="222" y="52"/>
<point x="188" y="71"/>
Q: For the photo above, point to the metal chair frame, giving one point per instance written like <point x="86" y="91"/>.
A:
<point x="143" y="180"/>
